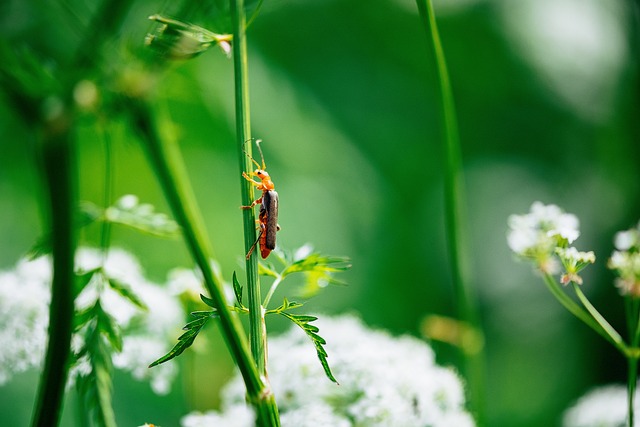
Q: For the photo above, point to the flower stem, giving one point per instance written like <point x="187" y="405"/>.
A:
<point x="632" y="378"/>
<point x="258" y="333"/>
<point x="454" y="206"/>
<point x="167" y="161"/>
<point x="601" y="326"/>
<point x="272" y="290"/>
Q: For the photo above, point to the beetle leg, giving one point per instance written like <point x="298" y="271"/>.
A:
<point x="255" y="202"/>
<point x="252" y="248"/>
<point x="253" y="182"/>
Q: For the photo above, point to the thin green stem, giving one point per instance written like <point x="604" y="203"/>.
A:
<point x="455" y="198"/>
<point x="632" y="378"/>
<point x="574" y="308"/>
<point x="272" y="290"/>
<point x="105" y="232"/>
<point x="166" y="159"/>
<point x="57" y="156"/>
<point x="257" y="333"/>
<point x="603" y="327"/>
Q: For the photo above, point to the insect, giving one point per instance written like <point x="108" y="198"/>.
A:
<point x="268" y="216"/>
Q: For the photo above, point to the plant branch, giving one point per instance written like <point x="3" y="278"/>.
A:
<point x="166" y="159"/>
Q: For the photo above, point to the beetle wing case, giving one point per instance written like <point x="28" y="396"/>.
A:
<point x="269" y="208"/>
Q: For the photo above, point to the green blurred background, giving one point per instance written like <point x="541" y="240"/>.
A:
<point x="344" y="95"/>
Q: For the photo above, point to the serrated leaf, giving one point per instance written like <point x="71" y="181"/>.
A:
<point x="126" y="292"/>
<point x="303" y="322"/>
<point x="317" y="262"/>
<point x="237" y="289"/>
<point x="185" y="340"/>
<point x="82" y="279"/>
<point x="108" y="326"/>
<point x="208" y="301"/>
<point x="265" y="269"/>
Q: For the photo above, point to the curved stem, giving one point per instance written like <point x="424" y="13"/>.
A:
<point x="603" y="327"/>
<point x="166" y="159"/>
<point x="454" y="206"/>
<point x="272" y="290"/>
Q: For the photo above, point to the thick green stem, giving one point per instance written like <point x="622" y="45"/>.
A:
<point x="57" y="156"/>
<point x="257" y="333"/>
<point x="166" y="159"/>
<point x="454" y="206"/>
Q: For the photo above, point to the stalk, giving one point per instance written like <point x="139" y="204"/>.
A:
<point x="632" y="378"/>
<point x="454" y="207"/>
<point x="167" y="162"/>
<point x="59" y="168"/>
<point x="57" y="157"/>
<point x="258" y="332"/>
<point x="633" y="313"/>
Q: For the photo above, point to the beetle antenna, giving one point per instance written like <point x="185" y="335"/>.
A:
<point x="251" y="158"/>
<point x="258" y="141"/>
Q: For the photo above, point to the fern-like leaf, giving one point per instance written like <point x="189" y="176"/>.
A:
<point x="192" y="329"/>
<point x="304" y="322"/>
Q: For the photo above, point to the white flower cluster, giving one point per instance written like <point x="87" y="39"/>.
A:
<point x="602" y="407"/>
<point x="24" y="307"/>
<point x="626" y="261"/>
<point x="24" y="316"/>
<point x="384" y="381"/>
<point x="547" y="231"/>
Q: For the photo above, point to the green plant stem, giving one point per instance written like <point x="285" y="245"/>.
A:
<point x="632" y="379"/>
<point x="601" y="325"/>
<point x="57" y="159"/>
<point x="105" y="232"/>
<point x="167" y="162"/>
<point x="454" y="206"/>
<point x="272" y="290"/>
<point x="258" y="333"/>
<point x="633" y="321"/>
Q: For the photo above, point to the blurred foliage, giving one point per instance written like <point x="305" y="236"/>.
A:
<point x="344" y="97"/>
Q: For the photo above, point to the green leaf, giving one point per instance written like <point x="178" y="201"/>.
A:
<point x="82" y="280"/>
<point x="266" y="270"/>
<point x="286" y="305"/>
<point x="126" y="292"/>
<point x="211" y="303"/>
<point x="317" y="262"/>
<point x="303" y="322"/>
<point x="192" y="329"/>
<point x="318" y="271"/>
<point x="141" y="216"/>
<point x="237" y="289"/>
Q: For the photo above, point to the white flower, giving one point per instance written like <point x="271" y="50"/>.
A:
<point x="540" y="228"/>
<point x="535" y="235"/>
<point x="24" y="317"/>
<point x="574" y="261"/>
<point x="384" y="381"/>
<point x="626" y="261"/>
<point x="602" y="407"/>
